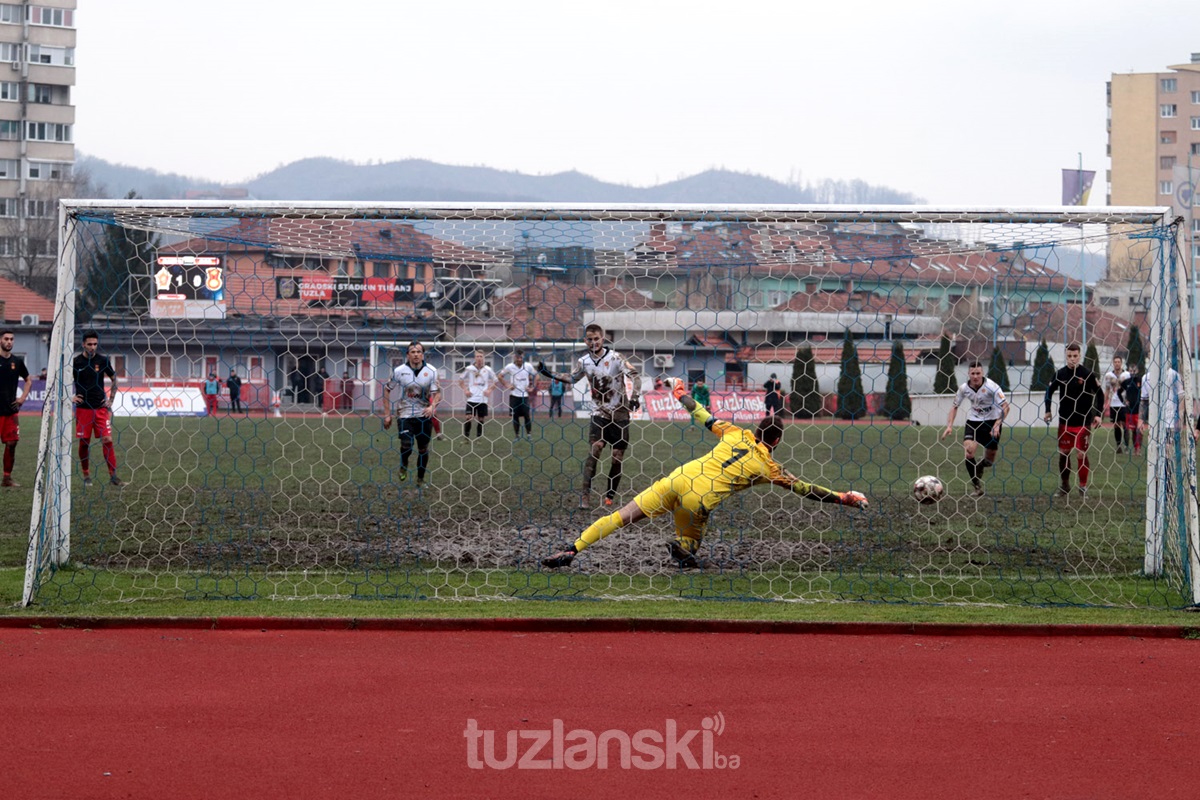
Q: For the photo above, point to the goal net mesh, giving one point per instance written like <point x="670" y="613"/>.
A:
<point x="867" y="318"/>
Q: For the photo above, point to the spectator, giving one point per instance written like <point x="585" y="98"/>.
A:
<point x="321" y="379"/>
<point x="700" y="392"/>
<point x="234" y="384"/>
<point x="557" y="390"/>
<point x="212" y="390"/>
<point x="774" y="399"/>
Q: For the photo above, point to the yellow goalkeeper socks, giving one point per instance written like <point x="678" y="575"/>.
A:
<point x="598" y="530"/>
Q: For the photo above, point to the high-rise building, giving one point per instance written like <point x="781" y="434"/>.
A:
<point x="37" y="144"/>
<point x="1154" y="148"/>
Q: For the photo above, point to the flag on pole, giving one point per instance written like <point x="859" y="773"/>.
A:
<point x="1076" y="185"/>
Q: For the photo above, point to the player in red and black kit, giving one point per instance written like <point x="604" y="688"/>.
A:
<point x="93" y="407"/>
<point x="1080" y="405"/>
<point x="12" y="372"/>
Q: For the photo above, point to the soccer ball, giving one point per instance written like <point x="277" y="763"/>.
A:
<point x="928" y="489"/>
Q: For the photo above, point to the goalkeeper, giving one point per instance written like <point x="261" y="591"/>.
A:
<point x="692" y="491"/>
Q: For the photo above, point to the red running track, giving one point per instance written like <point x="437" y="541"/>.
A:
<point x="293" y="713"/>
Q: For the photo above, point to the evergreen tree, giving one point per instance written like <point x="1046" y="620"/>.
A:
<point x="1043" y="369"/>
<point x="804" y="401"/>
<point x="945" y="381"/>
<point x="896" y="403"/>
<point x="115" y="273"/>
<point x="1091" y="360"/>
<point x="852" y="400"/>
<point x="998" y="370"/>
<point x="1137" y="351"/>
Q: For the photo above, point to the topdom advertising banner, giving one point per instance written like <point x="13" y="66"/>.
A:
<point x="165" y="401"/>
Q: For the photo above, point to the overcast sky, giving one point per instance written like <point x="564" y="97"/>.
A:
<point x="961" y="102"/>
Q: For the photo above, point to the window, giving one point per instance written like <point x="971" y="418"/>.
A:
<point x="1196" y="225"/>
<point x="254" y="370"/>
<point x="1167" y="85"/>
<point x="1166" y="162"/>
<point x="1166" y="137"/>
<point x="41" y="93"/>
<point x="1165" y="110"/>
<point x="49" y="171"/>
<point x="10" y="52"/>
<point x="1165" y="187"/>
<point x="381" y="269"/>
<point x="8" y="207"/>
<point x="1196" y="251"/>
<point x="8" y="245"/>
<point x="10" y="14"/>
<point x="10" y="130"/>
<point x="58" y="17"/>
<point x="39" y="209"/>
<point x="48" y="132"/>
<point x="9" y="169"/>
<point x="37" y="246"/>
<point x="1195" y="149"/>
<point x="1196" y="123"/>
<point x="59" y="56"/>
<point x="156" y="367"/>
<point x="118" y="365"/>
<point x="1110" y="301"/>
<point x="1196" y="98"/>
<point x="10" y="91"/>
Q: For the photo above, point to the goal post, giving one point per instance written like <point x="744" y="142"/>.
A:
<point x="867" y="319"/>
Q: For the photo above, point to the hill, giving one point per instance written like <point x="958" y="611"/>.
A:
<point x="418" y="180"/>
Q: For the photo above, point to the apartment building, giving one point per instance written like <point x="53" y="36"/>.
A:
<point x="1154" y="151"/>
<point x="37" y="146"/>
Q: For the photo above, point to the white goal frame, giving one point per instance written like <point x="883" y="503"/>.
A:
<point x="51" y="517"/>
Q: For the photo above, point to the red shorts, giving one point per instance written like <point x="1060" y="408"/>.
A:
<point x="10" y="431"/>
<point x="1072" y="438"/>
<point x="91" y="422"/>
<point x="1131" y="421"/>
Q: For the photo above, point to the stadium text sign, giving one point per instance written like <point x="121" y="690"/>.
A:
<point x="155" y="401"/>
<point x="343" y="291"/>
<point x="672" y="747"/>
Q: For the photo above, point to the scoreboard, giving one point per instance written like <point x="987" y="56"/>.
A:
<point x="189" y="278"/>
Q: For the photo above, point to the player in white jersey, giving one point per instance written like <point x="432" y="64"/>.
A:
<point x="608" y="375"/>
<point x="477" y="382"/>
<point x="416" y="398"/>
<point x="1117" y="412"/>
<point x="985" y="419"/>
<point x="520" y="380"/>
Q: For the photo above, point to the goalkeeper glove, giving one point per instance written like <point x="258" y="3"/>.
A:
<point x="635" y="403"/>
<point x="679" y="389"/>
<point x="541" y="368"/>
<point x="854" y="499"/>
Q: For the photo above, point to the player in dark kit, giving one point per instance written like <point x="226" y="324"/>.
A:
<point x="1080" y="406"/>
<point x="93" y="406"/>
<point x="1131" y="396"/>
<point x="12" y="372"/>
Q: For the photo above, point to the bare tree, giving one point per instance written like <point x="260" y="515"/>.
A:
<point x="29" y="231"/>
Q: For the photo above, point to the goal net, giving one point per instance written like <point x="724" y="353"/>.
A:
<point x="252" y="345"/>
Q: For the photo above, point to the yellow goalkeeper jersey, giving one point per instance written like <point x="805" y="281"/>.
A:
<point x="737" y="463"/>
